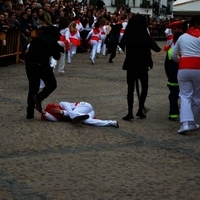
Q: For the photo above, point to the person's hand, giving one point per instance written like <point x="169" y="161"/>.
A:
<point x="55" y="110"/>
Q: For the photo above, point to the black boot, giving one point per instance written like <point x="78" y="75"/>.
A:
<point x="128" y="117"/>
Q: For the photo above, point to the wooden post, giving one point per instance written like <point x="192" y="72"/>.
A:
<point x="18" y="46"/>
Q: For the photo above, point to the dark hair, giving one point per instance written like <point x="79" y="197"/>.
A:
<point x="195" y="20"/>
<point x="63" y="23"/>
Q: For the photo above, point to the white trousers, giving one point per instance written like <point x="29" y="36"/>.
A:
<point x="101" y="48"/>
<point x="71" y="52"/>
<point x="83" y="108"/>
<point x="189" y="84"/>
<point x="61" y="62"/>
<point x="94" y="45"/>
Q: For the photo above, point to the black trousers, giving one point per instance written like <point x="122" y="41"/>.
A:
<point x="34" y="73"/>
<point x="112" y="50"/>
<point x="173" y="100"/>
<point x="143" y="77"/>
<point x="84" y="35"/>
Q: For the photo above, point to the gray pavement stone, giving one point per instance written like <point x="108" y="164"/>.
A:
<point x="142" y="159"/>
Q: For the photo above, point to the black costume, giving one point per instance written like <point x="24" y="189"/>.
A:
<point x="138" y="45"/>
<point x="37" y="67"/>
<point x="112" y="40"/>
<point x="171" y="69"/>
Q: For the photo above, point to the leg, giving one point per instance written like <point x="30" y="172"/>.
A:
<point x="144" y="78"/>
<point x="131" y="84"/>
<point x="47" y="75"/>
<point x="34" y="82"/>
<point x="113" y="52"/>
<point x="173" y="102"/>
<point x="61" y="62"/>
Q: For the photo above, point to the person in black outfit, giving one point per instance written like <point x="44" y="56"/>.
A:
<point x="113" y="40"/>
<point x="138" y="60"/>
<point x="171" y="69"/>
<point x="37" y="67"/>
<point x="100" y="4"/>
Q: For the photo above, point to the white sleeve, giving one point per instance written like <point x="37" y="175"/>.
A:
<point x="50" y="117"/>
<point x="67" y="34"/>
<point x="89" y="34"/>
<point x="67" y="108"/>
<point x="175" y="52"/>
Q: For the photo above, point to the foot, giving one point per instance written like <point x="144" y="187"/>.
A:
<point x="80" y="118"/>
<point x="22" y="60"/>
<point x="38" y="105"/>
<point x="114" y="124"/>
<point x="110" y="61"/>
<point x="61" y="71"/>
<point x="29" y="116"/>
<point x="128" y="117"/>
<point x="92" y="61"/>
<point x="188" y="127"/>
<point x="140" y="115"/>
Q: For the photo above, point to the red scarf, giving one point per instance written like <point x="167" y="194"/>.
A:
<point x="77" y="21"/>
<point x="73" y="32"/>
<point x="193" y="31"/>
<point x="96" y="30"/>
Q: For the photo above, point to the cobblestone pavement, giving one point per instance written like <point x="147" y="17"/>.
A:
<point x="141" y="160"/>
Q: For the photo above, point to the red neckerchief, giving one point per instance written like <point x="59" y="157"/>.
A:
<point x="73" y="32"/>
<point x="193" y="31"/>
<point x="77" y="21"/>
<point x="96" y="30"/>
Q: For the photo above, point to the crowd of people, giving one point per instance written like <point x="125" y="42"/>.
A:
<point x="34" y="15"/>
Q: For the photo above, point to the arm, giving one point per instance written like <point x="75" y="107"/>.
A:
<point x="176" y="52"/>
<point x="89" y="35"/>
<point x="56" y="51"/>
<point x="50" y="117"/>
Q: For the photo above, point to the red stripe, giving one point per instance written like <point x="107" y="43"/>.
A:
<point x="189" y="63"/>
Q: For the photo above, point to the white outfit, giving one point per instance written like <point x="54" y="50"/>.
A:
<point x="188" y="77"/>
<point x="124" y="24"/>
<point x="101" y="45"/>
<point x="61" y="62"/>
<point x="169" y="36"/>
<point x="79" y="25"/>
<point x="74" y="42"/>
<point x="73" y="110"/>
<point x="94" y="41"/>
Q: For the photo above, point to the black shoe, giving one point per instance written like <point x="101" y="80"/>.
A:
<point x="29" y="116"/>
<point x="128" y="117"/>
<point x="140" y="115"/>
<point x="38" y="105"/>
<point x="80" y="118"/>
<point x="110" y="61"/>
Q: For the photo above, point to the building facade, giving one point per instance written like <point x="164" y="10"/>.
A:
<point x="154" y="8"/>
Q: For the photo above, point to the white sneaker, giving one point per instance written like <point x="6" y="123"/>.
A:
<point x="193" y="127"/>
<point x="92" y="61"/>
<point x="61" y="71"/>
<point x="183" y="129"/>
<point x="186" y="128"/>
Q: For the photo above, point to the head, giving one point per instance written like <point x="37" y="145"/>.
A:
<point x="72" y="26"/>
<point x="63" y="23"/>
<point x="49" y="108"/>
<point x="47" y="7"/>
<point x="51" y="31"/>
<point x="195" y="21"/>
<point x="175" y="26"/>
